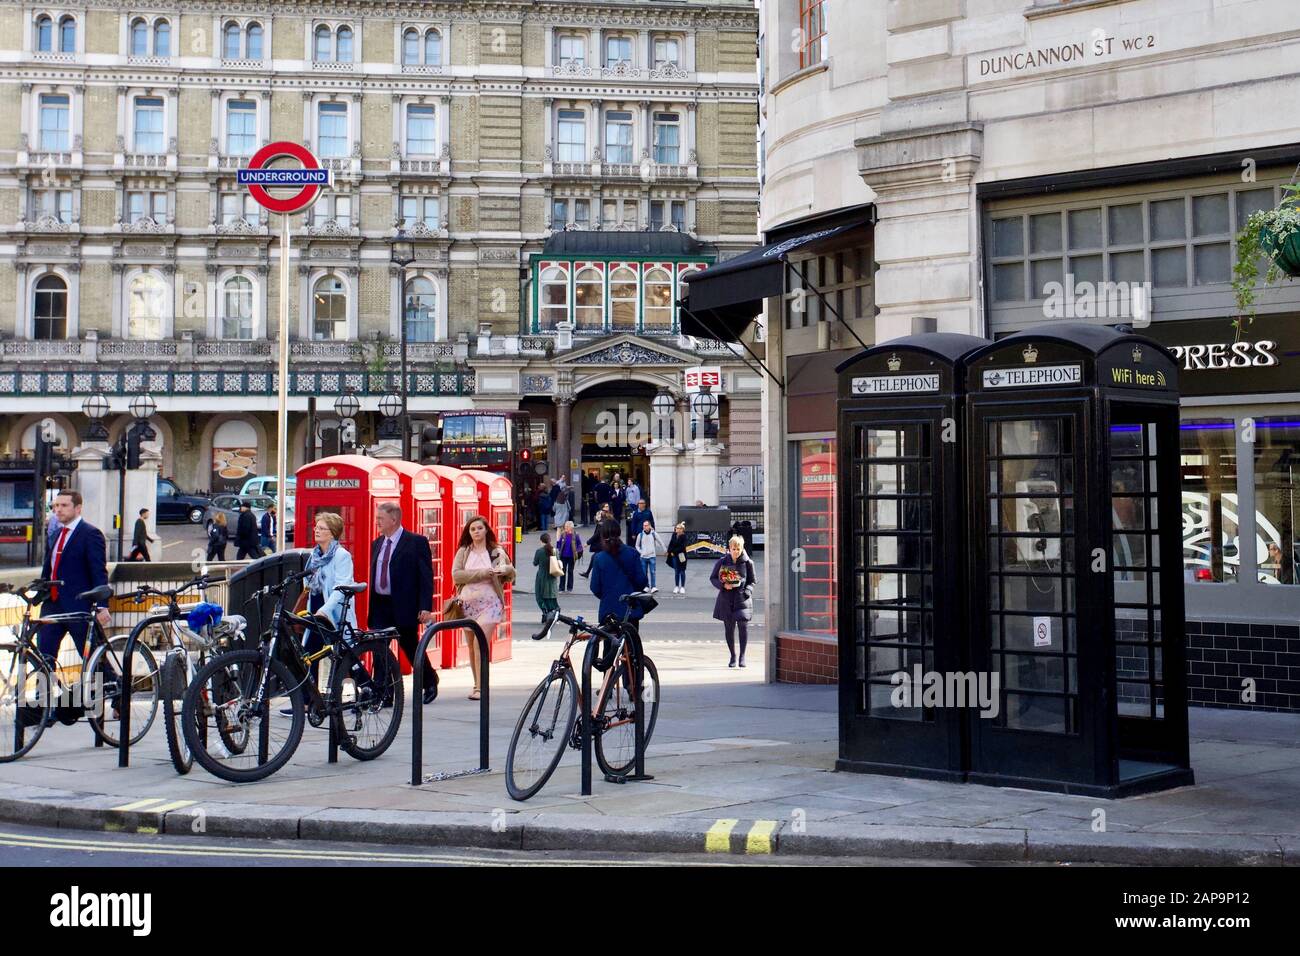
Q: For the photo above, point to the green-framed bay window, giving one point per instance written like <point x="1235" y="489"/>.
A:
<point x="609" y="295"/>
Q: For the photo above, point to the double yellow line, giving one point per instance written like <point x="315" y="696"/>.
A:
<point x="759" y="839"/>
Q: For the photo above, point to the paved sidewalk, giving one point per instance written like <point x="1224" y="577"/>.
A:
<point x="727" y="748"/>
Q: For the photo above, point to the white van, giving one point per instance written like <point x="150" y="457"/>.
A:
<point x="268" y="485"/>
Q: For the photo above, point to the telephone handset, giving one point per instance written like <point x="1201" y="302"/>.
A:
<point x="1040" y="515"/>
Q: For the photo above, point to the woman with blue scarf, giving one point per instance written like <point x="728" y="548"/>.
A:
<point x="329" y="566"/>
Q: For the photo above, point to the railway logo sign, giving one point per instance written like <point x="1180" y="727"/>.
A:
<point x="310" y="177"/>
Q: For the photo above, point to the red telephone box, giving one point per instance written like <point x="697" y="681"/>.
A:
<point x="351" y="486"/>
<point x="496" y="499"/>
<point x="423" y="513"/>
<point x="464" y="504"/>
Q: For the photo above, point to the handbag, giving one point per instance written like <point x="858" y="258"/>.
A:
<point x="301" y="604"/>
<point x="453" y="610"/>
<point x="556" y="569"/>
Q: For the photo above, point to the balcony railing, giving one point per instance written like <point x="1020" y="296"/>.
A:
<point x="59" y="348"/>
<point x="244" y="64"/>
<point x="423" y="69"/>
<point x="334" y="66"/>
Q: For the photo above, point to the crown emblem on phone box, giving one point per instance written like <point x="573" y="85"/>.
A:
<point x="895" y="363"/>
<point x="1030" y="353"/>
<point x="1137" y="353"/>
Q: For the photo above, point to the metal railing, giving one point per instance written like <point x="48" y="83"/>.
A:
<point x="417" y="728"/>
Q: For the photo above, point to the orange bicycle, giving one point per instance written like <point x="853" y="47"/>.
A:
<point x="549" y="718"/>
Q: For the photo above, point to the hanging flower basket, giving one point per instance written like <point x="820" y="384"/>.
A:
<point x="1272" y="233"/>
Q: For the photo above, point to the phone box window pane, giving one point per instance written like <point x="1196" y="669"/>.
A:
<point x="1029" y="672"/>
<point x="1047" y="714"/>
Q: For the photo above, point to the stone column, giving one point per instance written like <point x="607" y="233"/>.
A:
<point x="704" y="464"/>
<point x="559" y="465"/>
<point x="98" y="487"/>
<point x="142" y="492"/>
<point x="665" y="496"/>
<point x="925" y="240"/>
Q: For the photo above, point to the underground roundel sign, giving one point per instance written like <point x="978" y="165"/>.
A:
<point x="308" y="177"/>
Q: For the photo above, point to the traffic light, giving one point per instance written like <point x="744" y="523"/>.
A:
<point x="524" y="464"/>
<point x="428" y="445"/>
<point x="133" y="449"/>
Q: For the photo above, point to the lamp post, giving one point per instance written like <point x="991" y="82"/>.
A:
<point x="705" y="406"/>
<point x="95" y="407"/>
<point x="664" y="405"/>
<point x="127" y="453"/>
<point x="346" y="407"/>
<point x="403" y="254"/>
<point x="390" y="406"/>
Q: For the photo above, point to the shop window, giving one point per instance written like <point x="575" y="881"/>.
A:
<point x="1211" y="539"/>
<point x="330" y="310"/>
<point x="814" y="578"/>
<point x="622" y="298"/>
<point x="658" y="300"/>
<point x="843" y="277"/>
<point x="1277" y="496"/>
<point x="555" y="298"/>
<point x="589" y="300"/>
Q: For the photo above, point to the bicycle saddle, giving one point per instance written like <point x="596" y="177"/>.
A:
<point x="642" y="599"/>
<point x="351" y="588"/>
<point x="96" y="595"/>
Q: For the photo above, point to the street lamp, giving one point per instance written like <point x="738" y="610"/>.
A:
<point x="390" y="406"/>
<point x="705" y="406"/>
<point x="95" y="407"/>
<point x="346" y="407"/>
<point x="402" y="255"/>
<point x="664" y="405"/>
<point x="127" y="451"/>
<point x="143" y="406"/>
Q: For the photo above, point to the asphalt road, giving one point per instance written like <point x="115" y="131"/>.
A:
<point x="22" y="846"/>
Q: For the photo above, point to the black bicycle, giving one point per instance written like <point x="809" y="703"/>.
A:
<point x="31" y="689"/>
<point x="548" y="721"/>
<point x="244" y="711"/>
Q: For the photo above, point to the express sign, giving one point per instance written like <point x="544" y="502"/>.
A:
<point x="309" y="176"/>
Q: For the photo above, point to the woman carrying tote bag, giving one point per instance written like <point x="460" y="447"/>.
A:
<point x="548" y="573"/>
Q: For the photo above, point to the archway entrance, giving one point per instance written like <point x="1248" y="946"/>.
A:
<point x="612" y="421"/>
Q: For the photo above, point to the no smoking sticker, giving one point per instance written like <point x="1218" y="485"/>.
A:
<point x="1042" y="632"/>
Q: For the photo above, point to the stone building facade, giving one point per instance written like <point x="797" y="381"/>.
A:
<point x="131" y="261"/>
<point x="998" y="162"/>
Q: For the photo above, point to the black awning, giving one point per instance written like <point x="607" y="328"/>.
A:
<point x="724" y="299"/>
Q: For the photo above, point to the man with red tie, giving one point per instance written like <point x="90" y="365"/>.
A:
<point x="77" y="556"/>
<point x="401" y="586"/>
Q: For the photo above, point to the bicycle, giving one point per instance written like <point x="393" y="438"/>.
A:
<point x="549" y="719"/>
<point x="182" y="646"/>
<point x="30" y="684"/>
<point x="246" y="691"/>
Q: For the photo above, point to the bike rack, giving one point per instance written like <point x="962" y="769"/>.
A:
<point x="417" y="728"/>
<point x="124" y="694"/>
<point x="584" y="717"/>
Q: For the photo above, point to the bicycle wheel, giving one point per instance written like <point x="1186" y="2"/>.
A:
<point x="367" y="707"/>
<point x="271" y="738"/>
<point x="25" y="700"/>
<point x="543" y="730"/>
<point x="615" y="718"/>
<point x="102" y="684"/>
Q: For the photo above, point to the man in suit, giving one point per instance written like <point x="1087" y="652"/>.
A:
<point x="78" y="556"/>
<point x="141" y="538"/>
<point x="246" y="534"/>
<point x="401" y="587"/>
<point x="268" y="529"/>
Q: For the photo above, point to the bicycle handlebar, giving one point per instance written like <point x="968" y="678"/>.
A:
<point x="549" y="619"/>
<point x="145" y="590"/>
<point x="33" y="592"/>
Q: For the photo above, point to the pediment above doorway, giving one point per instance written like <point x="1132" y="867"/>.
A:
<point x="627" y="350"/>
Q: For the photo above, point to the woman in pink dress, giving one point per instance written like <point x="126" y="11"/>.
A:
<point x="480" y="571"/>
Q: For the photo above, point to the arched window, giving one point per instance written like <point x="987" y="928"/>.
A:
<point x="420" y="305"/>
<point x="147" y="307"/>
<point x="162" y="38"/>
<point x="411" y="47"/>
<point x="230" y="41"/>
<point x="622" y="298"/>
<point x="237" y="308"/>
<point x="50" y="308"/>
<point x="344" y="54"/>
<point x="433" y="48"/>
<point x="324" y="44"/>
<point x="658" y="300"/>
<point x="681" y="280"/>
<point x="329" y="310"/>
<point x="589" y="300"/>
<point x="139" y="38"/>
<point x="555" y="298"/>
<point x="44" y="35"/>
<point x="253" y="49"/>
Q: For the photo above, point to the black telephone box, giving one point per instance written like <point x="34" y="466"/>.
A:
<point x="901" y="552"/>
<point x="1075" y="562"/>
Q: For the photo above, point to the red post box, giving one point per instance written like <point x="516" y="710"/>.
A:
<point x="352" y="487"/>
<point x="423" y="513"/>
<point x="496" y="499"/>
